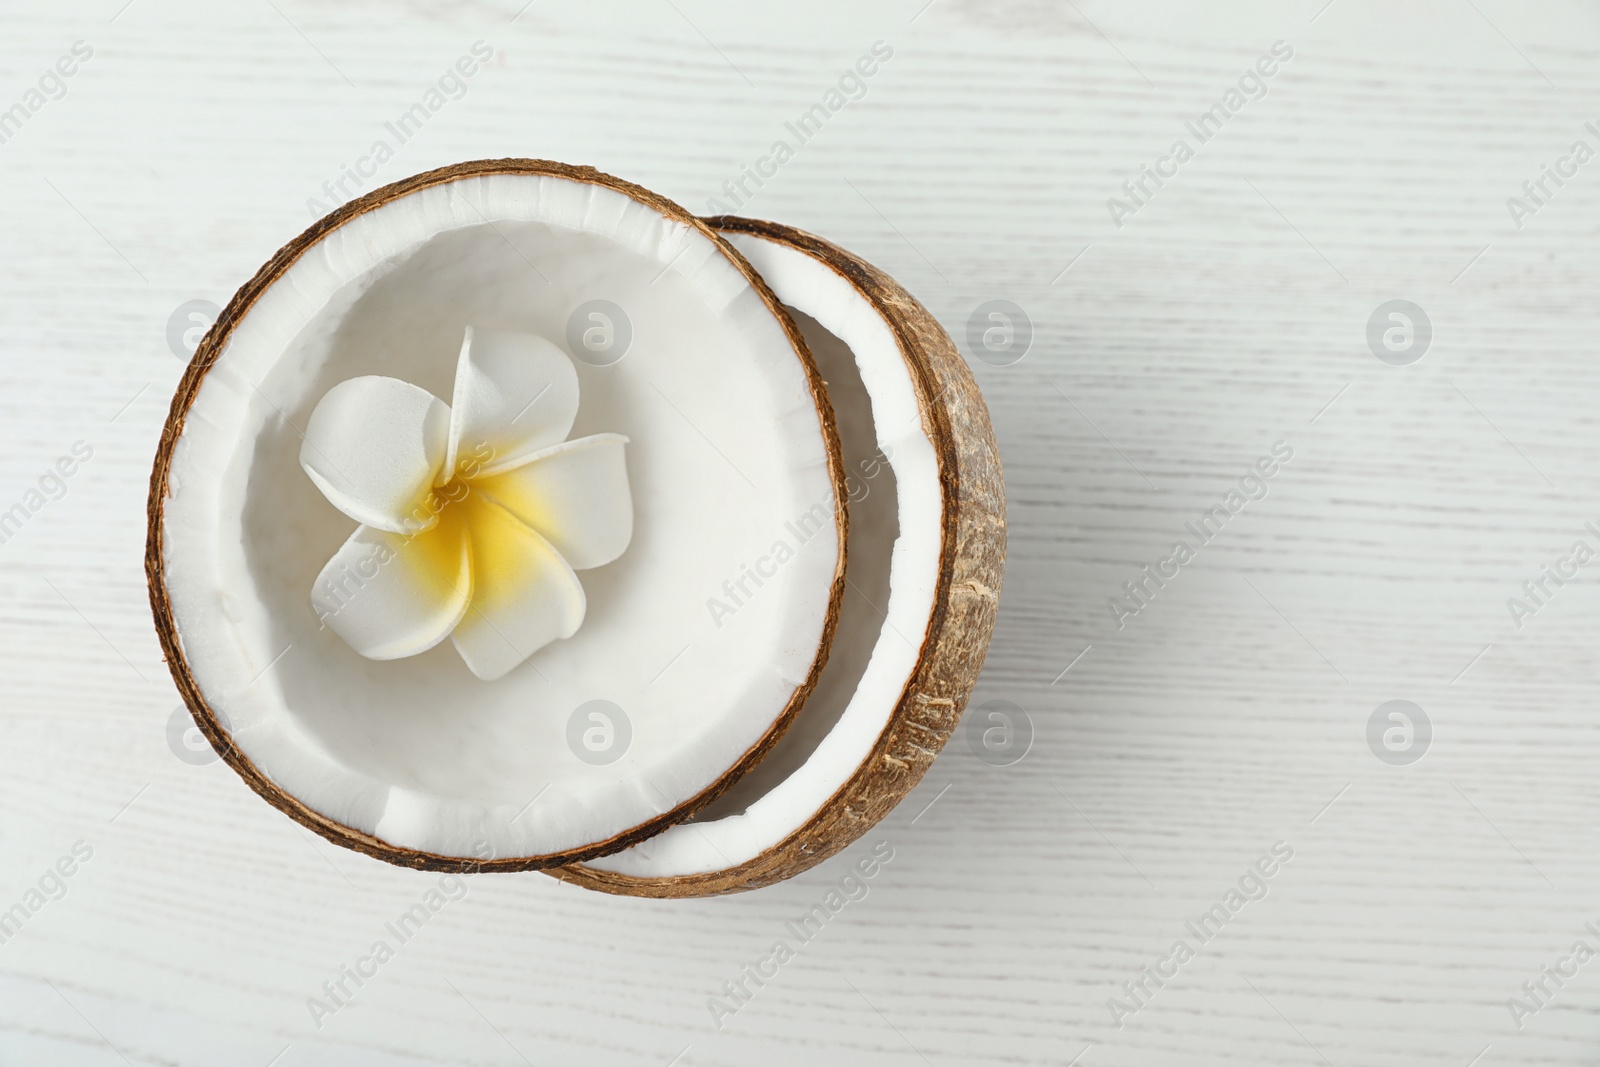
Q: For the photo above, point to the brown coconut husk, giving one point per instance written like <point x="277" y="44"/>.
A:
<point x="212" y="348"/>
<point x="971" y="560"/>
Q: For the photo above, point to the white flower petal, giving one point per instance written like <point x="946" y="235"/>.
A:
<point x="515" y="393"/>
<point x="524" y="597"/>
<point x="575" y="494"/>
<point x="391" y="595"/>
<point x="374" y="446"/>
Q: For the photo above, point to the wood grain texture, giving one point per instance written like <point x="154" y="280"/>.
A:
<point x="1228" y="313"/>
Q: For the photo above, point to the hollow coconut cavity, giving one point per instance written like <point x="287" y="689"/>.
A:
<point x="926" y="551"/>
<point x="519" y="742"/>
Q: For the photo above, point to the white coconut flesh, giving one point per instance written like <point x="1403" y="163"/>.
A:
<point x="891" y="572"/>
<point x="726" y="455"/>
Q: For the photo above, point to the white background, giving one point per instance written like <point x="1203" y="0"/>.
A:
<point x="1228" y="313"/>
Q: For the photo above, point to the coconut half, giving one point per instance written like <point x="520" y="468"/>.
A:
<point x="657" y="702"/>
<point x="926" y="551"/>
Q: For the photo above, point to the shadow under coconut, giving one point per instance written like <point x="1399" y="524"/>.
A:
<point x="874" y="527"/>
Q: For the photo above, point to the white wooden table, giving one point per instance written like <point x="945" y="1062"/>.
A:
<point x="1227" y="312"/>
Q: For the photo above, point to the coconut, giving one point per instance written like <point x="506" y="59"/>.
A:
<point x="926" y="550"/>
<point x="380" y="564"/>
<point x="510" y="516"/>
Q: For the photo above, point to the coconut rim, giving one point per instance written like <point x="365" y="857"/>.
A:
<point x="834" y="825"/>
<point x="209" y="352"/>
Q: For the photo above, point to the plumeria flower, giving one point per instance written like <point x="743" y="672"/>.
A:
<point x="474" y="515"/>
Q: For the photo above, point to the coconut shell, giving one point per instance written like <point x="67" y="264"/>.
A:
<point x="211" y="349"/>
<point x="971" y="561"/>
